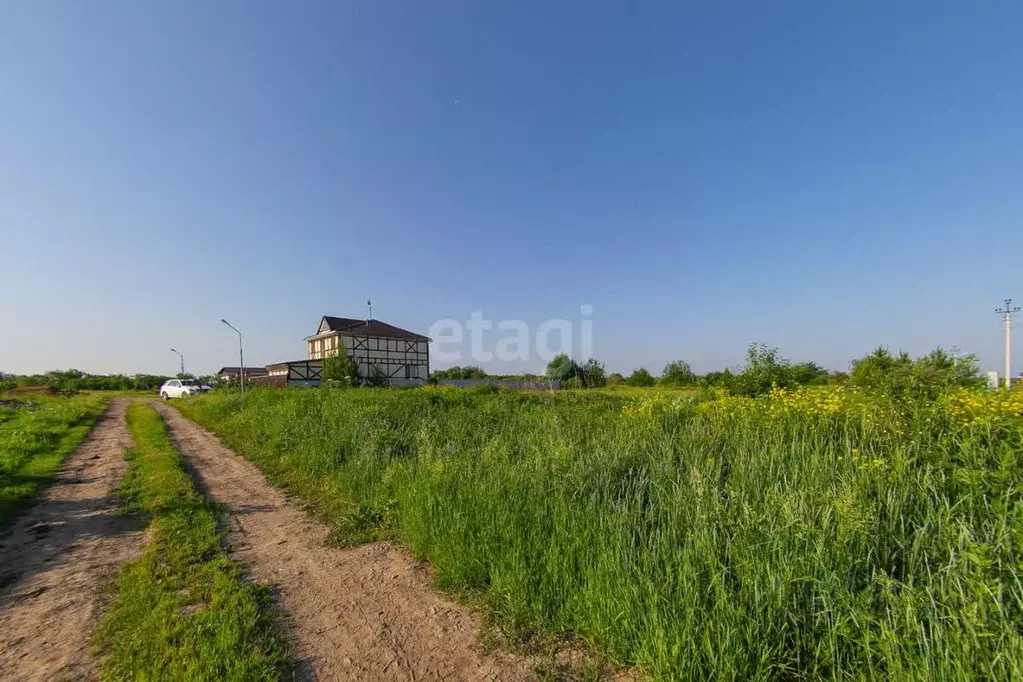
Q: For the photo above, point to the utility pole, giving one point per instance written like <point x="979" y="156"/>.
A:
<point x="1007" y="312"/>
<point x="182" y="358"/>
<point x="241" y="356"/>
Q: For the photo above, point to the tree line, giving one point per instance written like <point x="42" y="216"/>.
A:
<point x="765" y="368"/>
<point x="77" y="380"/>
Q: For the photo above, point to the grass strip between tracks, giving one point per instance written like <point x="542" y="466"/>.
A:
<point x="182" y="609"/>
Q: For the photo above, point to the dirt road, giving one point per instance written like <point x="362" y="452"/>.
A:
<point x="57" y="558"/>
<point x="365" y="613"/>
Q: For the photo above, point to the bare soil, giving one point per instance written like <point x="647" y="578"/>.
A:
<point x="363" y="613"/>
<point x="58" y="556"/>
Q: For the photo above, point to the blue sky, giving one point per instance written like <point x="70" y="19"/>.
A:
<point x="818" y="177"/>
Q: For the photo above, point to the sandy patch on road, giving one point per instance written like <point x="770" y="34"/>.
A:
<point x="364" y="613"/>
<point x="58" y="556"/>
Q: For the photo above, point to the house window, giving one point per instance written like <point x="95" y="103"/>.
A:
<point x="410" y="372"/>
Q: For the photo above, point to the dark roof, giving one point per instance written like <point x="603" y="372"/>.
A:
<point x="339" y="323"/>
<point x="278" y="365"/>
<point x="248" y="370"/>
<point x="370" y="328"/>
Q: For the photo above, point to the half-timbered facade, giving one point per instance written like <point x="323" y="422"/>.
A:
<point x="402" y="356"/>
<point x="297" y="373"/>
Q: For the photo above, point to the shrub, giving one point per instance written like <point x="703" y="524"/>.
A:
<point x="592" y="374"/>
<point x="340" y="369"/>
<point x="640" y="377"/>
<point x="927" y="376"/>
<point x="376" y="377"/>
<point x="678" y="373"/>
<point x="457" y="372"/>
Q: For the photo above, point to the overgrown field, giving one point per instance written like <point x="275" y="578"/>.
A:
<point x="816" y="533"/>
<point x="36" y="434"/>
<point x="182" y="610"/>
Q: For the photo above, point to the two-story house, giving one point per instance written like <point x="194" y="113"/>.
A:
<point x="401" y="355"/>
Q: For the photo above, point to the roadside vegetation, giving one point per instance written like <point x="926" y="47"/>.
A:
<point x="868" y="528"/>
<point x="182" y="611"/>
<point x="36" y="433"/>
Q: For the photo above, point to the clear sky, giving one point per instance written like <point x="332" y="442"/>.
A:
<point x="823" y="177"/>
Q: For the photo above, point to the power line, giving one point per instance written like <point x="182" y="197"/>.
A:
<point x="1007" y="312"/>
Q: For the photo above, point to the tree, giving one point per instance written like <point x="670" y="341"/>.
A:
<point x="341" y="368"/>
<point x="926" y="376"/>
<point x="939" y="369"/>
<point x="765" y="368"/>
<point x="592" y="374"/>
<point x="808" y="374"/>
<point x="881" y="370"/>
<point x="615" y="379"/>
<point x="722" y="379"/>
<point x="457" y="372"/>
<point x="678" y="373"/>
<point x="562" y="367"/>
<point x="640" y="377"/>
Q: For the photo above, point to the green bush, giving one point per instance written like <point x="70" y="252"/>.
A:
<point x="640" y="377"/>
<point x="340" y="369"/>
<point x="459" y="373"/>
<point x="927" y="376"/>
<point x="678" y="373"/>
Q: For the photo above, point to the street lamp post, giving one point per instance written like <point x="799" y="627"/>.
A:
<point x="241" y="355"/>
<point x="182" y="357"/>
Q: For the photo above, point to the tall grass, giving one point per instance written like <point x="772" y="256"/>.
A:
<point x="694" y="544"/>
<point x="36" y="434"/>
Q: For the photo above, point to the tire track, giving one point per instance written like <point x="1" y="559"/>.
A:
<point x="59" y="555"/>
<point x="363" y="613"/>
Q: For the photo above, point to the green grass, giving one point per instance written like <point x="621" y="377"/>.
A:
<point x="182" y="610"/>
<point x="35" y="437"/>
<point x="696" y="544"/>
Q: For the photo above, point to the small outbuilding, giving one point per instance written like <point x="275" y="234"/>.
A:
<point x="233" y="373"/>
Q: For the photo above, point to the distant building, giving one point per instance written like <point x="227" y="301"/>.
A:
<point x="232" y="373"/>
<point x="995" y="381"/>
<point x="402" y="356"/>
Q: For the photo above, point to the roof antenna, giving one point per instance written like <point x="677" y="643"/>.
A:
<point x="369" y="303"/>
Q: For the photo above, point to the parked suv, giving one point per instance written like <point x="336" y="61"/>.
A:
<point x="179" y="388"/>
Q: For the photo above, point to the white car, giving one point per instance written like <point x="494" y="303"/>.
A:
<point x="180" y="388"/>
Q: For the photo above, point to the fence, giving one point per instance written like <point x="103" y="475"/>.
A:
<point x="517" y="384"/>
